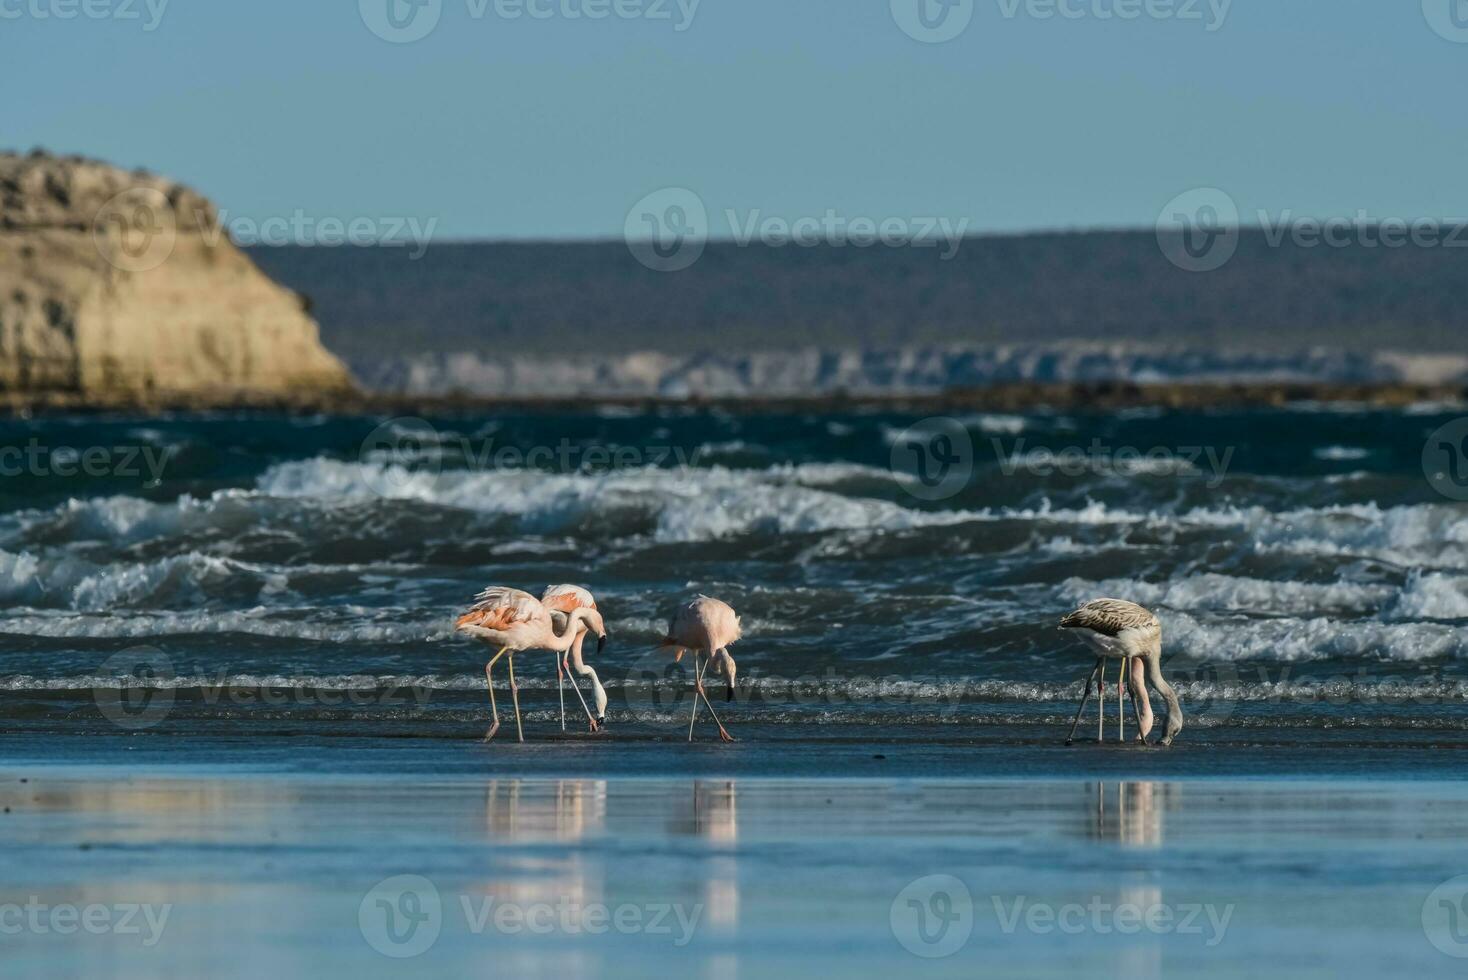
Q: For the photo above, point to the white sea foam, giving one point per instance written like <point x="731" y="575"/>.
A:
<point x="18" y="574"/>
<point x="690" y="505"/>
<point x="188" y="579"/>
<point x="337" y="624"/>
<point x="680" y="504"/>
<point x="1303" y="640"/>
<point x="1297" y="621"/>
<point x="127" y="519"/>
<point x="699" y="504"/>
<point x="994" y="424"/>
<point x="126" y="584"/>
<point x="1211" y="698"/>
<point x="1433" y="596"/>
<point x="1046" y="461"/>
<point x="1341" y="453"/>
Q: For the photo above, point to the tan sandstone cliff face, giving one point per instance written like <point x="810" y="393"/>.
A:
<point x="120" y="287"/>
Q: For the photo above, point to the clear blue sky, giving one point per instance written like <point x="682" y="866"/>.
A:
<point x="552" y="128"/>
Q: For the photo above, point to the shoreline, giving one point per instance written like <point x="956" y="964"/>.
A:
<point x="1102" y="396"/>
<point x="981" y="753"/>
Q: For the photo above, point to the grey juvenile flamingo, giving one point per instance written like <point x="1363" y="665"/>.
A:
<point x="1125" y="630"/>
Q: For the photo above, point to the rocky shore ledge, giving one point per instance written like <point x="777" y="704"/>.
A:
<point x="890" y="372"/>
<point x="1001" y="397"/>
<point x="121" y="289"/>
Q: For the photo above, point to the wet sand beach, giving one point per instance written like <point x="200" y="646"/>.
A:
<point x="277" y="862"/>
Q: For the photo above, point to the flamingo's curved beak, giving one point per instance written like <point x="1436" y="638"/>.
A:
<point x="601" y="643"/>
<point x="729" y="670"/>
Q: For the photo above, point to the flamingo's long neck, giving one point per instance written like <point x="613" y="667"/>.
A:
<point x="573" y="630"/>
<point x="1174" y="708"/>
<point x="584" y="669"/>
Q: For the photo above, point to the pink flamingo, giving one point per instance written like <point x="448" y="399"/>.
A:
<point x="567" y="599"/>
<point x="705" y="626"/>
<point x="513" y="621"/>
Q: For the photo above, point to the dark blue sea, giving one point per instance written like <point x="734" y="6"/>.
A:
<point x="899" y="579"/>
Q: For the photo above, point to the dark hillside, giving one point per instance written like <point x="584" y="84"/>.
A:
<point x="1111" y="286"/>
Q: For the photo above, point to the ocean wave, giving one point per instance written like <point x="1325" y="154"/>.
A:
<point x="190" y="579"/>
<point x="1297" y="621"/>
<point x="671" y="505"/>
<point x="127" y="520"/>
<point x="1413" y="534"/>
<point x="296" y="682"/>
<point x="334" y="625"/>
<point x="1428" y="534"/>
<point x="693" y="504"/>
<point x="1341" y="453"/>
<point x="1432" y="595"/>
<point x="689" y="505"/>
<point x="1212" y="591"/>
<point x="1045" y="461"/>
<point x="995" y="424"/>
<point x="1304" y="640"/>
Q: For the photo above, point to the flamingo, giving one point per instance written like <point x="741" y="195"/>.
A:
<point x="513" y="621"/>
<point x="567" y="599"/>
<point x="1118" y="628"/>
<point x="705" y="625"/>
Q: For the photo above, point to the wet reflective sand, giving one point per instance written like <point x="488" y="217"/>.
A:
<point x="292" y="874"/>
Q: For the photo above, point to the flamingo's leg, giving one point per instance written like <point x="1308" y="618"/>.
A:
<point x="515" y="694"/>
<point x="595" y="725"/>
<point x="561" y="687"/>
<point x="696" y="683"/>
<point x="701" y="693"/>
<point x="1100" y="694"/>
<point x="1085" y="699"/>
<point x="1126" y="668"/>
<point x="489" y="682"/>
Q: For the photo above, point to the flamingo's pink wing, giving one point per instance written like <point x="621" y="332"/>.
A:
<point x="499" y="609"/>
<point x="567" y="598"/>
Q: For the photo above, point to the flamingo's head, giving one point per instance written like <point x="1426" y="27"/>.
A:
<point x="593" y="621"/>
<point x="725" y="667"/>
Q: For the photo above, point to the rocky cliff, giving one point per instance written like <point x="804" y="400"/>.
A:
<point x="122" y="288"/>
